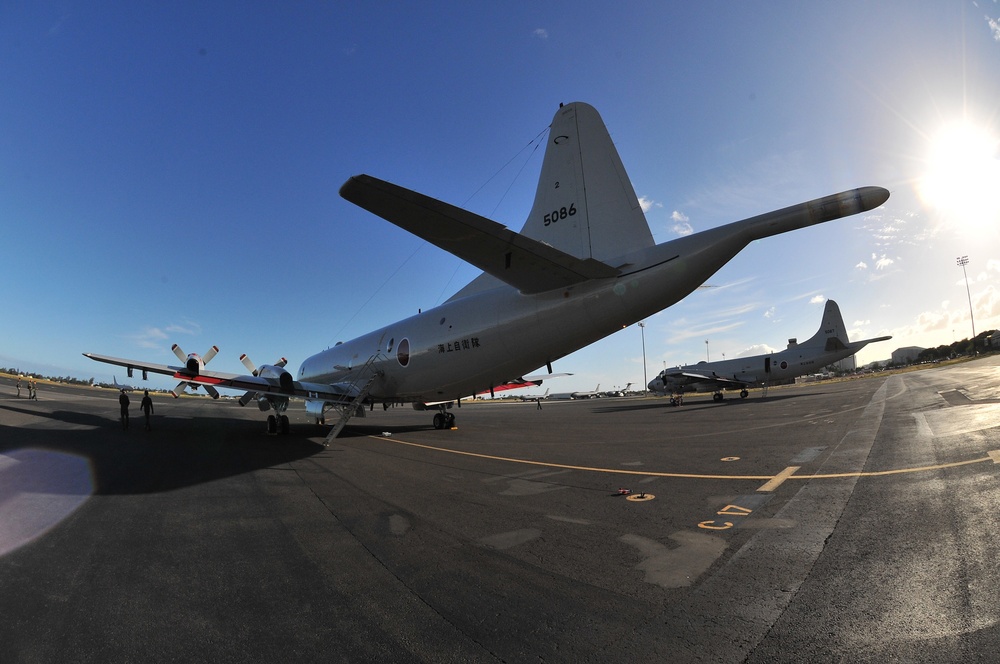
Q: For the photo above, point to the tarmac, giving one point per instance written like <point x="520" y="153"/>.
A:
<point x="840" y="521"/>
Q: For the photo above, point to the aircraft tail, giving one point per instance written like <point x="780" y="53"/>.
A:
<point x="585" y="204"/>
<point x="832" y="333"/>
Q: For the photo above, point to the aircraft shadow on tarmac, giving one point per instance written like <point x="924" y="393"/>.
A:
<point x="176" y="454"/>
<point x="364" y="430"/>
<point x="700" y="403"/>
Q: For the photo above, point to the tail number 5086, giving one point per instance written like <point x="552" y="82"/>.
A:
<point x="561" y="213"/>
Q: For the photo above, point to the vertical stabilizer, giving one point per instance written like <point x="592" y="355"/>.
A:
<point x="585" y="204"/>
<point x="831" y="327"/>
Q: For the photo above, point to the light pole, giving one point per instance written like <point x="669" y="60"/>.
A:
<point x="963" y="261"/>
<point x="707" y="356"/>
<point x="642" y="333"/>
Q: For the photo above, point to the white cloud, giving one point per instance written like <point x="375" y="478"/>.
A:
<point x="862" y="265"/>
<point x="541" y="33"/>
<point x="648" y="204"/>
<point x="994" y="27"/>
<point x="188" y="327"/>
<point x="882" y="262"/>
<point x="150" y="337"/>
<point x="817" y="299"/>
<point x="769" y="313"/>
<point x="681" y="225"/>
<point x="757" y="349"/>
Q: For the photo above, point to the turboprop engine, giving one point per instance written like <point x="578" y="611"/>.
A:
<point x="194" y="363"/>
<point x="277" y="372"/>
<point x="274" y="371"/>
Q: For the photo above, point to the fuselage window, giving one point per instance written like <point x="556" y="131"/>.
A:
<point x="392" y="342"/>
<point x="403" y="352"/>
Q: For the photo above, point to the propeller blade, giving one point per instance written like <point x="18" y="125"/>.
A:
<point x="247" y="398"/>
<point x="248" y="364"/>
<point x="209" y="354"/>
<point x="179" y="390"/>
<point x="179" y="353"/>
<point x="212" y="391"/>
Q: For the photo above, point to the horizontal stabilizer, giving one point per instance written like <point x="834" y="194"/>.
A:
<point x="813" y="212"/>
<point x="528" y="265"/>
<point x="858" y="345"/>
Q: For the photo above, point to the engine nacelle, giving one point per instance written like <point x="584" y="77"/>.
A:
<point x="284" y="378"/>
<point x="315" y="408"/>
<point x="194" y="363"/>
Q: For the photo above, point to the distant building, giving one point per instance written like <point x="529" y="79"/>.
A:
<point x="846" y="365"/>
<point x="906" y="355"/>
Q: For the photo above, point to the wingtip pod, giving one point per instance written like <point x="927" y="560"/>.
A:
<point x="817" y="211"/>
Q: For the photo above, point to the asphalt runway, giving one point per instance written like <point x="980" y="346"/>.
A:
<point x="850" y="521"/>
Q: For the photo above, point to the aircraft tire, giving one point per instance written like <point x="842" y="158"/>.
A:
<point x="272" y="425"/>
<point x="284" y="424"/>
<point x="717" y="396"/>
<point x="439" y="421"/>
<point x="744" y="394"/>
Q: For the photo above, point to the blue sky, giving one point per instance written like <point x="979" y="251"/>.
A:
<point x="170" y="173"/>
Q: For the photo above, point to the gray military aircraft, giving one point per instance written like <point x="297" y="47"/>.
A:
<point x="583" y="266"/>
<point x="828" y="345"/>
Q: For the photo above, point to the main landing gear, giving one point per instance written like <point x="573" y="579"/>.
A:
<point x="276" y="422"/>
<point x="718" y="396"/>
<point x="444" y="419"/>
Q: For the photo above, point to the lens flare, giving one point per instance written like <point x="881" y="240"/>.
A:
<point x="38" y="489"/>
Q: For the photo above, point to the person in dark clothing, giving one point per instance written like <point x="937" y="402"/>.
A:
<point x="124" y="401"/>
<point x="147" y="408"/>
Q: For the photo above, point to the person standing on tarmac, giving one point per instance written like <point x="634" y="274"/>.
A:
<point x="123" y="400"/>
<point x="147" y="408"/>
<point x="18" y="387"/>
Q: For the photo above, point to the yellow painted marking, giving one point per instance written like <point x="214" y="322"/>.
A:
<point x="778" y="479"/>
<point x="693" y="476"/>
<point x="711" y="525"/>
<point x="734" y="510"/>
<point x="730" y="459"/>
<point x="640" y="497"/>
<point x="898" y="471"/>
<point x="995" y="455"/>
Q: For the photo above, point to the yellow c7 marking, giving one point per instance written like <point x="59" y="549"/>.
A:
<point x="993" y="456"/>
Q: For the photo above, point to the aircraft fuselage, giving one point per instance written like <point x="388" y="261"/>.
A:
<point x="472" y="343"/>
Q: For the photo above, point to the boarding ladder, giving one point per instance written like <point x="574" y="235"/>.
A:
<point x="358" y="402"/>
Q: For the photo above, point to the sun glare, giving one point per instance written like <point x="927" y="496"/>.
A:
<point x="963" y="176"/>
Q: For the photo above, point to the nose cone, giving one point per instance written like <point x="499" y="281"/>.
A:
<point x="655" y="385"/>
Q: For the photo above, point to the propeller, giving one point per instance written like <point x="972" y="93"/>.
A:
<point x="252" y="394"/>
<point x="194" y="363"/>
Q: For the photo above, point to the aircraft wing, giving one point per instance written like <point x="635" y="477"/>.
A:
<point x="524" y="381"/>
<point x="245" y="382"/>
<point x="528" y="265"/>
<point x="689" y="377"/>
